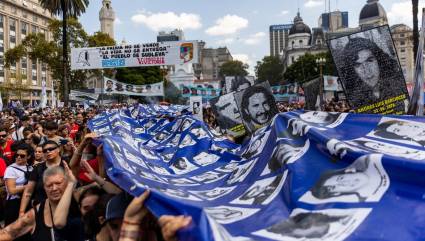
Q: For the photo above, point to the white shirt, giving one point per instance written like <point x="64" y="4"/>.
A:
<point x="19" y="176"/>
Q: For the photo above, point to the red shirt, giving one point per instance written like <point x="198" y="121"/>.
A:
<point x="7" y="151"/>
<point x="2" y="167"/>
<point x="82" y="176"/>
<point x="74" y="131"/>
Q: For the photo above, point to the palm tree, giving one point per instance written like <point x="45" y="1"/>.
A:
<point x="415" y="27"/>
<point x="68" y="8"/>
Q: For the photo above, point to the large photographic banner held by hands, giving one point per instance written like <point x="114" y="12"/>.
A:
<point x="370" y="72"/>
<point x="306" y="176"/>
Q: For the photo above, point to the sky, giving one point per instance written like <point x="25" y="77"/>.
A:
<point x="240" y="25"/>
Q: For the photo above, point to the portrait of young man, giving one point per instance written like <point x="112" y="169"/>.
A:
<point x="257" y="106"/>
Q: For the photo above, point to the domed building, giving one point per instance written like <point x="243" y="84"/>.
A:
<point x="302" y="40"/>
<point x="372" y="15"/>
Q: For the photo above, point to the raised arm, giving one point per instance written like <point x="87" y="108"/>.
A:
<point x="105" y="185"/>
<point x="26" y="197"/>
<point x="21" y="226"/>
<point x="61" y="213"/>
<point x="134" y="214"/>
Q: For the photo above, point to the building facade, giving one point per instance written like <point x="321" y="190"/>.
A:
<point x="372" y="15"/>
<point x="211" y="60"/>
<point x="333" y="21"/>
<point x="403" y="41"/>
<point x="107" y="18"/>
<point x="23" y="80"/>
<point x="175" y="35"/>
<point x="278" y="35"/>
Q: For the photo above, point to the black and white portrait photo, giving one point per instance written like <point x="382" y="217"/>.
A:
<point x="285" y="153"/>
<point x="323" y="119"/>
<point x="311" y="92"/>
<point x="369" y="70"/>
<point x="227" y="114"/>
<point x="178" y="194"/>
<point x="215" y="193"/>
<point x="187" y="141"/>
<point x="401" y="131"/>
<point x="328" y="224"/>
<point x="148" y="153"/>
<point x="182" y="166"/>
<point x="182" y="182"/>
<point x="228" y="214"/>
<point x="199" y="132"/>
<point x="365" y="180"/>
<point x="238" y="83"/>
<point x="257" y="106"/>
<point x="255" y="145"/>
<point x="208" y="177"/>
<point x="241" y="172"/>
<point x="136" y="159"/>
<point x="205" y="158"/>
<point x="262" y="192"/>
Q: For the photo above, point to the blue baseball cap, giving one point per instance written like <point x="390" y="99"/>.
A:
<point x="116" y="207"/>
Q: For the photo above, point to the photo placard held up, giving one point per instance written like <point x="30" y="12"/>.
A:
<point x="370" y="72"/>
<point x="256" y="105"/>
<point x="228" y="116"/>
<point x="196" y="107"/>
<point x="238" y="83"/>
<point x="311" y="93"/>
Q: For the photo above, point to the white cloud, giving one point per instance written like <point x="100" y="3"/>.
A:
<point x="255" y="38"/>
<point x="313" y="3"/>
<point x="168" y="20"/>
<point x="228" y="24"/>
<point x="401" y="12"/>
<point x="225" y="41"/>
<point x="284" y="12"/>
<point x="117" y="21"/>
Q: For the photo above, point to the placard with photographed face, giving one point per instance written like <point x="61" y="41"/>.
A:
<point x="257" y="106"/>
<point x="370" y="72"/>
<point x="311" y="93"/>
<point x="227" y="114"/>
<point x="238" y="83"/>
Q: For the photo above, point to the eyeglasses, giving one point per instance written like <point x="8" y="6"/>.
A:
<point x="46" y="150"/>
<point x="22" y="156"/>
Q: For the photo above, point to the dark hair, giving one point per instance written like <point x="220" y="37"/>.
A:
<point x="388" y="66"/>
<point x="304" y="221"/>
<point x="330" y="118"/>
<point x="92" y="225"/>
<point x="320" y="191"/>
<point x="28" y="149"/>
<point x="29" y="128"/>
<point x="250" y="92"/>
<point x="381" y="130"/>
<point x="238" y="81"/>
<point x="51" y="125"/>
<point x="51" y="142"/>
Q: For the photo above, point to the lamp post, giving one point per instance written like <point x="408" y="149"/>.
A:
<point x="321" y="62"/>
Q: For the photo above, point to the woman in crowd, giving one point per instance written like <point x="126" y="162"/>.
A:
<point x="38" y="155"/>
<point x="16" y="177"/>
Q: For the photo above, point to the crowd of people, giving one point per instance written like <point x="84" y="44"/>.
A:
<point x="53" y="184"/>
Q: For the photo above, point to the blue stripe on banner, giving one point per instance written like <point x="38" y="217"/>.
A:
<point x="308" y="175"/>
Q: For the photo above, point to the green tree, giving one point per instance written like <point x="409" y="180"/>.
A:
<point x="73" y="8"/>
<point x="35" y="46"/>
<point x="270" y="68"/>
<point x="139" y="75"/>
<point x="305" y="68"/>
<point x="233" y="68"/>
<point x="415" y="28"/>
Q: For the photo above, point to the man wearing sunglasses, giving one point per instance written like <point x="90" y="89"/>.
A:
<point x="35" y="185"/>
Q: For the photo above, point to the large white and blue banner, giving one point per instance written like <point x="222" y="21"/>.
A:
<point x="306" y="176"/>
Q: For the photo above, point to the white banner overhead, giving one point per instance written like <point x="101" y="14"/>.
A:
<point x="137" y="55"/>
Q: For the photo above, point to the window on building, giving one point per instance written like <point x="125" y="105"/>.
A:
<point x="24" y="30"/>
<point x="402" y="43"/>
<point x="12" y="33"/>
<point x="34" y="72"/>
<point x="402" y="35"/>
<point x="34" y="18"/>
<point x="402" y="50"/>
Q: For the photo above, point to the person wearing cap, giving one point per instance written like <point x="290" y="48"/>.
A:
<point x="52" y="219"/>
<point x="35" y="184"/>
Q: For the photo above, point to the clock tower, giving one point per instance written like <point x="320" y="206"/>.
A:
<point x="107" y="18"/>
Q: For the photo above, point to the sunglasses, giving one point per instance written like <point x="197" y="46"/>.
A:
<point x="46" y="150"/>
<point x="22" y="156"/>
<point x="3" y="136"/>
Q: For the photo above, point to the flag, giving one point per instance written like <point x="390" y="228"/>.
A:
<point x="1" y="103"/>
<point x="306" y="176"/>
<point x="53" y="98"/>
<point x="43" y="103"/>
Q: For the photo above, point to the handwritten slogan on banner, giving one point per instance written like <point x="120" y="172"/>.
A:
<point x="370" y="72"/>
<point x="306" y="176"/>
<point x="137" y="55"/>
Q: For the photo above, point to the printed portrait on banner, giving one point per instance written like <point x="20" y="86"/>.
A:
<point x="238" y="83"/>
<point x="370" y="72"/>
<point x="256" y="105"/>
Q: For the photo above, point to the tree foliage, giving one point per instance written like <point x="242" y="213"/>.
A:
<point x="233" y="68"/>
<point x="270" y="68"/>
<point x="36" y="47"/>
<point x="305" y="68"/>
<point x="139" y="75"/>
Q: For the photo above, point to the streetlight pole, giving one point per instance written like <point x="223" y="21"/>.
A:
<point x="321" y="62"/>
